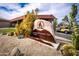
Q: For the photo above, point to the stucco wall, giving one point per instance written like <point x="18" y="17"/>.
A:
<point x="4" y="24"/>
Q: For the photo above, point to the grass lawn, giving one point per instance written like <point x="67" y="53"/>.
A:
<point x="7" y="30"/>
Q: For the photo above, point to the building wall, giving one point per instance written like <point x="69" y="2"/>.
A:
<point x="4" y="24"/>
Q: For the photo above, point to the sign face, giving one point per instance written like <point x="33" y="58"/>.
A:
<point x="44" y="30"/>
<point x="40" y="24"/>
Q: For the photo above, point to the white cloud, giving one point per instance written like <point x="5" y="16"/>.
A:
<point x="3" y="14"/>
<point x="10" y="5"/>
<point x="9" y="15"/>
<point x="58" y="10"/>
<point x="29" y="7"/>
<point x="19" y="12"/>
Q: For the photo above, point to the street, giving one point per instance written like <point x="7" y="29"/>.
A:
<point x="63" y="35"/>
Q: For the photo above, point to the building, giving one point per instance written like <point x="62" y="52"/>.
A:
<point x="4" y="23"/>
<point x="49" y="18"/>
<point x="12" y="22"/>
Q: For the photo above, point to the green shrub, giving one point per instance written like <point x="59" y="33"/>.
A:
<point x="74" y="26"/>
<point x="68" y="50"/>
<point x="26" y="26"/>
<point x="17" y="29"/>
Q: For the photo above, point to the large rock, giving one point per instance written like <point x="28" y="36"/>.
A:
<point x="10" y="33"/>
<point x="4" y="33"/>
<point x="15" y="52"/>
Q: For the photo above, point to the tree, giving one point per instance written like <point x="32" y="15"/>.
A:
<point x="17" y="28"/>
<point x="36" y="10"/>
<point x="26" y="26"/>
<point x="28" y="12"/>
<point x="65" y="19"/>
<point x="55" y="23"/>
<point x="66" y="22"/>
<point x="75" y="33"/>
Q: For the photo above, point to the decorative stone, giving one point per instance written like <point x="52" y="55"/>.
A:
<point x="4" y="33"/>
<point x="77" y="52"/>
<point x="14" y="33"/>
<point x="15" y="52"/>
<point x="11" y="34"/>
<point x="20" y="36"/>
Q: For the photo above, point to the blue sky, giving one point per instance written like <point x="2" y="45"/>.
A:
<point x="13" y="10"/>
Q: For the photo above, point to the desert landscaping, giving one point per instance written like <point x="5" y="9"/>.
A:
<point x="40" y="35"/>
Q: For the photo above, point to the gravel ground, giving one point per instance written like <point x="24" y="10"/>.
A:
<point x="27" y="46"/>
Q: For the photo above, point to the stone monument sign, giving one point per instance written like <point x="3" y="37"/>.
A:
<point x="44" y="30"/>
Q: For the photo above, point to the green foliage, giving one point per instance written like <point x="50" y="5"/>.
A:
<point x="26" y="26"/>
<point x="66" y="22"/>
<point x="75" y="40"/>
<point x="74" y="11"/>
<point x="17" y="28"/>
<point x="65" y="19"/>
<point x="75" y="34"/>
<point x="68" y="50"/>
<point x="36" y="10"/>
<point x="55" y="23"/>
<point x="6" y="30"/>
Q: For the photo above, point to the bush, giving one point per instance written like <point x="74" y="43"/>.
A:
<point x="68" y="50"/>
<point x="75" y="40"/>
<point x="17" y="29"/>
<point x="26" y="26"/>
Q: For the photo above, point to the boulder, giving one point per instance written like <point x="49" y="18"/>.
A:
<point x="15" y="52"/>
<point x="4" y="33"/>
<point x="11" y="34"/>
<point x="20" y="36"/>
